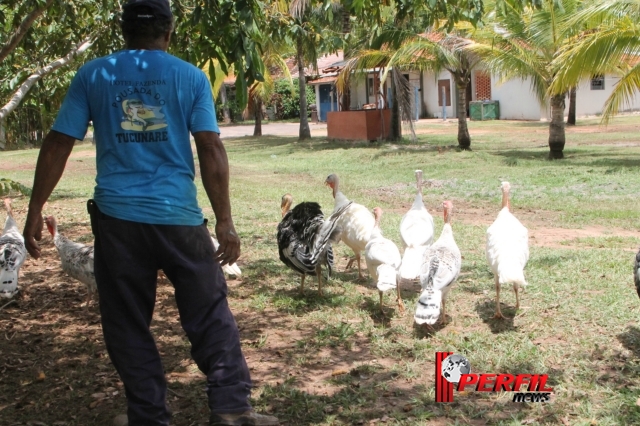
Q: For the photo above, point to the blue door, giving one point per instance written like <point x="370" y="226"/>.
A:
<point x="325" y="100"/>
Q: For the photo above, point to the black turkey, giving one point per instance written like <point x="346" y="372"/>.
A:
<point x="305" y="237"/>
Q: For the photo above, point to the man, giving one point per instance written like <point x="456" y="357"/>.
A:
<point x="143" y="103"/>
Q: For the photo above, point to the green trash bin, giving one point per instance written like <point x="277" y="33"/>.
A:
<point x="484" y="110"/>
<point x="475" y="110"/>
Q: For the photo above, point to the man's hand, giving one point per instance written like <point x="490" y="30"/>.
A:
<point x="53" y="156"/>
<point x="229" y="250"/>
<point x="33" y="232"/>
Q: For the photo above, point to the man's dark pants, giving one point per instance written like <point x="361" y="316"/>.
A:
<point x="128" y="256"/>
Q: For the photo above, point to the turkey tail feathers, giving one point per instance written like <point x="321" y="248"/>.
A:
<point x="510" y="273"/>
<point x="428" y="307"/>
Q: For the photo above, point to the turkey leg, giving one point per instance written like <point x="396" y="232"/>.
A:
<point x="319" y="274"/>
<point x="498" y="314"/>
<point x="400" y="302"/>
<point x="515" y="288"/>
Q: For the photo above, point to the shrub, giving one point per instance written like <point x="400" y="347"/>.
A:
<point x="285" y="101"/>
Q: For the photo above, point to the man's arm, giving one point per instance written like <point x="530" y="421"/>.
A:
<point x="52" y="160"/>
<point x="214" y="169"/>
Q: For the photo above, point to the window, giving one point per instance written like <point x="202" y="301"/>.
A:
<point x="597" y="82"/>
<point x="370" y="86"/>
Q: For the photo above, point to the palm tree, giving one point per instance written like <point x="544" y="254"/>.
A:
<point x="260" y="92"/>
<point x="525" y="44"/>
<point x="611" y="45"/>
<point x="434" y="51"/>
<point x="305" y="33"/>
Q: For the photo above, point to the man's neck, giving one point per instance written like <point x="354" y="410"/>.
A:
<point x="145" y="45"/>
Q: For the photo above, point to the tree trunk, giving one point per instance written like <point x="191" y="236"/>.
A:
<point x="423" y="105"/>
<point x="556" y="128"/>
<point x="464" y="140"/>
<point x="396" y="123"/>
<point x="571" y="119"/>
<point x="305" y="131"/>
<point x="24" y="88"/>
<point x="257" y="111"/>
<point x="345" y="101"/>
<point x="226" y="115"/>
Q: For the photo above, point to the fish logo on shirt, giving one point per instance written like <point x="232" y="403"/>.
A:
<point x="141" y="117"/>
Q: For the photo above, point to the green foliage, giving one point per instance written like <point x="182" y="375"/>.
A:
<point x="235" y="109"/>
<point x="7" y="186"/>
<point x="286" y="99"/>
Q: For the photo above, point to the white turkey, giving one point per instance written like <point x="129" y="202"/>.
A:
<point x="356" y="223"/>
<point x="416" y="231"/>
<point x="305" y="237"/>
<point x="12" y="254"/>
<point x="232" y="269"/>
<point x="507" y="250"/>
<point x="76" y="258"/>
<point x="383" y="260"/>
<point x="440" y="269"/>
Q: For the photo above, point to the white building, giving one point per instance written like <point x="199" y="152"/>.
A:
<point x="515" y="97"/>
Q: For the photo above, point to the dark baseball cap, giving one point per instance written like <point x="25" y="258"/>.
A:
<point x="159" y="9"/>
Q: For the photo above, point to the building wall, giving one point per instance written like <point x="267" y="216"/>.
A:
<point x="516" y="100"/>
<point x="431" y="95"/>
<point x="358" y="93"/>
<point x="591" y="102"/>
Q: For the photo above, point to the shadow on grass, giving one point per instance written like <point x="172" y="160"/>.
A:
<point x="619" y="373"/>
<point x="577" y="158"/>
<point x="324" y="144"/>
<point x="487" y="309"/>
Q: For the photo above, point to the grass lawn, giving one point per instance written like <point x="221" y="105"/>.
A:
<point x="335" y="360"/>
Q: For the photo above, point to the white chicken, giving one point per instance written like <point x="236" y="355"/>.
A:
<point x="383" y="260"/>
<point x="507" y="250"/>
<point x="12" y="254"/>
<point x="76" y="258"/>
<point x="416" y="231"/>
<point x="440" y="268"/>
<point x="356" y="222"/>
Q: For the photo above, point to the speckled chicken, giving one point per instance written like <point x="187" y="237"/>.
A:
<point x="12" y="254"/>
<point x="305" y="237"/>
<point x="440" y="268"/>
<point x="356" y="223"/>
<point x="76" y="258"/>
<point x="383" y="260"/>
<point x="507" y="250"/>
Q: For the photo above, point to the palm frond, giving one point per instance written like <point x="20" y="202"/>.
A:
<point x="404" y="98"/>
<point x="598" y="52"/>
<point x="623" y="93"/>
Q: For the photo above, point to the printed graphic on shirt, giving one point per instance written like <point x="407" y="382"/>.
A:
<point x="141" y="117"/>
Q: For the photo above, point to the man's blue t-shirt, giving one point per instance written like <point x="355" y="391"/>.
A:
<point x="143" y="104"/>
